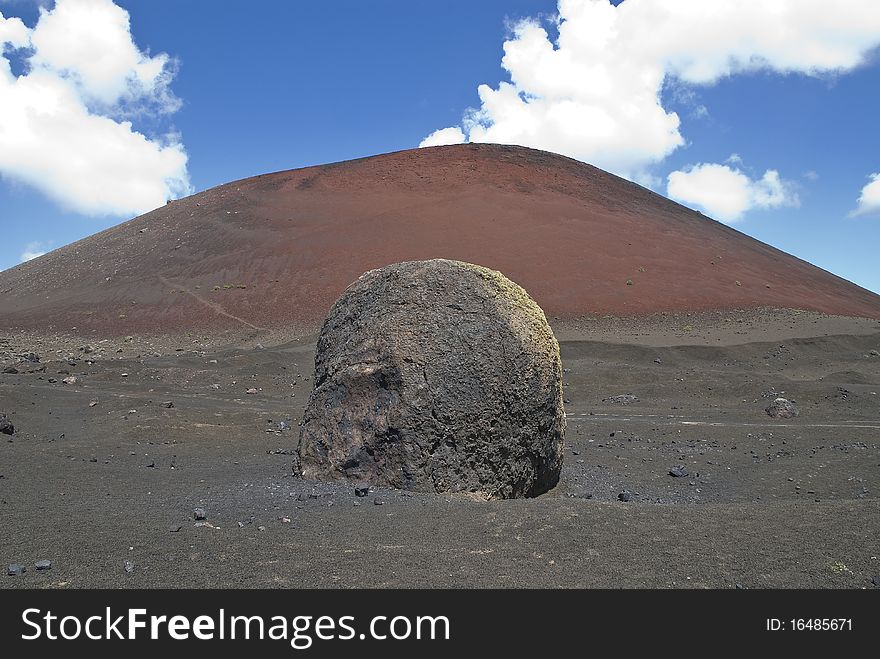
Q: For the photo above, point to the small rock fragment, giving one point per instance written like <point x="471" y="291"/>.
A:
<point x="168" y="404"/>
<point x="128" y="566"/>
<point x="782" y="408"/>
<point x="44" y="564"/>
<point x="15" y="570"/>
<point x="378" y="502"/>
<point x="11" y="370"/>
<point x="70" y="380"/>
<point x="199" y="514"/>
<point x="622" y="399"/>
<point x="678" y="472"/>
<point x="6" y="426"/>
<point x="625" y="496"/>
<point x="251" y="391"/>
<point x="361" y="491"/>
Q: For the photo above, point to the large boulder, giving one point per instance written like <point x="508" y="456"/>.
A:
<point x="436" y="376"/>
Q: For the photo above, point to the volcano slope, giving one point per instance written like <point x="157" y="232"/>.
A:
<point x="174" y="406"/>
<point x="270" y="254"/>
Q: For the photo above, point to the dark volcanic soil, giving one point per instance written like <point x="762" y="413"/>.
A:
<point x="273" y="252"/>
<point x="789" y="503"/>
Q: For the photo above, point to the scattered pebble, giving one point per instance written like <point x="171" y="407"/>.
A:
<point x="128" y="566"/>
<point x="199" y="513"/>
<point x="44" y="564"/>
<point x="168" y="404"/>
<point x="678" y="472"/>
<point x="378" y="502"/>
<point x="625" y="496"/>
<point x="70" y="380"/>
<point x="622" y="399"/>
<point x="16" y="570"/>
<point x="175" y="528"/>
<point x="361" y="491"/>
<point x="251" y="391"/>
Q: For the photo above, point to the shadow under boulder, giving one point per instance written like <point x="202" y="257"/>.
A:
<point x="436" y="376"/>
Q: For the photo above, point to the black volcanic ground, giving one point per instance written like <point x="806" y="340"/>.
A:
<point x="766" y="503"/>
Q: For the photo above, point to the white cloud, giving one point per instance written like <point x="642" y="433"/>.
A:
<point x="61" y="122"/>
<point x="32" y="251"/>
<point x="13" y="32"/>
<point x="443" y="136"/>
<point x="869" y="200"/>
<point x="726" y="193"/>
<point x="594" y="92"/>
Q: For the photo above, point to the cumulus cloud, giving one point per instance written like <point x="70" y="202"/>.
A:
<point x="726" y="193"/>
<point x="594" y="90"/>
<point x="444" y="136"/>
<point x="869" y="200"/>
<point x="32" y="250"/>
<point x="66" y="122"/>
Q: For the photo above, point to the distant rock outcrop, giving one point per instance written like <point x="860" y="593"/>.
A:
<point x="436" y="376"/>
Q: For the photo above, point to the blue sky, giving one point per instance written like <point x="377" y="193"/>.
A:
<point x="772" y="130"/>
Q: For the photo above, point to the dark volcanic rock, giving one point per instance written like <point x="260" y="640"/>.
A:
<point x="6" y="426"/>
<point x="679" y="471"/>
<point x="782" y="408"/>
<point x="436" y="376"/>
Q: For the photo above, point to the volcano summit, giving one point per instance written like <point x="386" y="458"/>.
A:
<point x="273" y="252"/>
